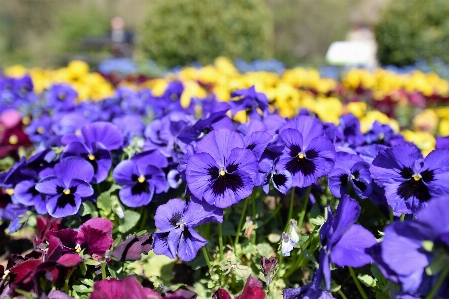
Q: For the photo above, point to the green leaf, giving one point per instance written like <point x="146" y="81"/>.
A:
<point x="104" y="203"/>
<point x="228" y="228"/>
<point x="81" y="288"/>
<point x="83" y="268"/>
<point x="91" y="262"/>
<point x="88" y="208"/>
<point x="264" y="249"/>
<point x="88" y="282"/>
<point x="317" y="221"/>
<point x="129" y="220"/>
<point x="367" y="280"/>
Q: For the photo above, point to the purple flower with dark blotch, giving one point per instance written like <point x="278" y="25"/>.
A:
<point x="410" y="181"/>
<point x="421" y="242"/>
<point x="176" y="221"/>
<point x="39" y="129"/>
<point x="369" y="152"/>
<point x="350" y="128"/>
<point x="130" y="125"/>
<point x="249" y="100"/>
<point x="93" y="145"/>
<point x="222" y="172"/>
<point x="308" y="155"/>
<point x="383" y="134"/>
<point x="130" y="100"/>
<point x="174" y="178"/>
<point x="141" y="177"/>
<point x="14" y="175"/>
<point x="350" y="170"/>
<point x="280" y="178"/>
<point x="273" y="122"/>
<point x="61" y="97"/>
<point x="67" y="187"/>
<point x="344" y="242"/>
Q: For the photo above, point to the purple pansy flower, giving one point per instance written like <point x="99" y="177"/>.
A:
<point x="410" y="247"/>
<point x="383" y="134"/>
<point x="62" y="97"/>
<point x="129" y="287"/>
<point x="409" y="179"/>
<point x="93" y="145"/>
<point x="350" y="170"/>
<point x="141" y="177"/>
<point x="176" y="221"/>
<point x="281" y="178"/>
<point x="344" y="242"/>
<point x="308" y="154"/>
<point x="249" y="100"/>
<point x="222" y="172"/>
<point x="67" y="187"/>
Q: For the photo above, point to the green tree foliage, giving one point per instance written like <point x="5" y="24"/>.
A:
<point x="413" y="29"/>
<point x="177" y="32"/>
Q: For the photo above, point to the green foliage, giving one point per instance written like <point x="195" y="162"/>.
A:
<point x="413" y="29"/>
<point x="182" y="31"/>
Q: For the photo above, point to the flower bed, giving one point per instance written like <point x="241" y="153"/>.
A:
<point x="208" y="182"/>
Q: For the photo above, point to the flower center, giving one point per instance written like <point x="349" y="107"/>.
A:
<point x="26" y="120"/>
<point x="301" y="156"/>
<point x="40" y="130"/>
<point x="141" y="179"/>
<point x="66" y="191"/>
<point x="381" y="136"/>
<point x="222" y="172"/>
<point x="10" y="191"/>
<point x="91" y="157"/>
<point x="180" y="224"/>
<point x="78" y="132"/>
<point x="416" y="177"/>
<point x="352" y="177"/>
<point x="78" y="248"/>
<point x="13" y="139"/>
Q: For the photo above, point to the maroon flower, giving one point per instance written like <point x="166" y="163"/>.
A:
<point x="129" y="287"/>
<point x="253" y="289"/>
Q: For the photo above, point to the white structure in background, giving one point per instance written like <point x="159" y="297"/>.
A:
<point x="359" y="49"/>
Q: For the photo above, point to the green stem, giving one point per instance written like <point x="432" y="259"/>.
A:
<point x="254" y="215"/>
<point x="290" y="209"/>
<point x="143" y="221"/>
<point x="440" y="280"/>
<point x="391" y="214"/>
<point x="206" y="256"/>
<point x="239" y="227"/>
<point x="103" y="270"/>
<point x="304" y="207"/>
<point x="220" y="239"/>
<point x="66" y="285"/>
<point x="357" y="283"/>
<point x="341" y="294"/>
<point x="402" y="217"/>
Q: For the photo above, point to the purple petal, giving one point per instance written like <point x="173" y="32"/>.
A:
<point x="74" y="167"/>
<point x="133" y="199"/>
<point x="245" y="161"/>
<point x="189" y="244"/>
<point x="293" y="140"/>
<point x="350" y="249"/>
<point x="309" y="127"/>
<point x="197" y="173"/>
<point x="160" y="245"/>
<point x="103" y="132"/>
<point x="124" y="171"/>
<point x="83" y="188"/>
<point x="60" y="208"/>
<point x="157" y="178"/>
<point x="153" y="157"/>
<point x="219" y="144"/>
<point x="348" y="212"/>
<point x="48" y="185"/>
<point x="337" y="186"/>
<point x="166" y="212"/>
<point x="199" y="212"/>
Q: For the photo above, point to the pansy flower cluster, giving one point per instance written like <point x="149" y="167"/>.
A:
<point x="170" y="177"/>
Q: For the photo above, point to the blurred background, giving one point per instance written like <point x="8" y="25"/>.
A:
<point x="178" y="32"/>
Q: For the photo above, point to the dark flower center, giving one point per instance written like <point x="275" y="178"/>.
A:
<point x="66" y="197"/>
<point x="415" y="185"/>
<point x="279" y="179"/>
<point x="224" y="180"/>
<point x="301" y="162"/>
<point x="251" y="146"/>
<point x="176" y="219"/>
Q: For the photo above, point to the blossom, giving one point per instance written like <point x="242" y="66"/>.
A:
<point x="176" y="221"/>
<point x="249" y="100"/>
<point x="222" y="172"/>
<point x="114" y="288"/>
<point x="67" y="187"/>
<point x="344" y="242"/>
<point x="141" y="177"/>
<point x="61" y="97"/>
<point x="253" y="289"/>
<point x="410" y="181"/>
<point x="350" y="170"/>
<point x="308" y="155"/>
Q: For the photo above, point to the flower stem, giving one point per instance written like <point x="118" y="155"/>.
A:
<point x="391" y="215"/>
<point x="206" y="256"/>
<point x="357" y="283"/>
<point x="290" y="209"/>
<point x="304" y="207"/>
<point x="103" y="270"/>
<point x="66" y="282"/>
<point x="440" y="280"/>
<point x="402" y="217"/>
<point x="254" y="216"/>
<point x="341" y="294"/>
<point x="239" y="227"/>
<point x="220" y="239"/>
<point x="278" y="208"/>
